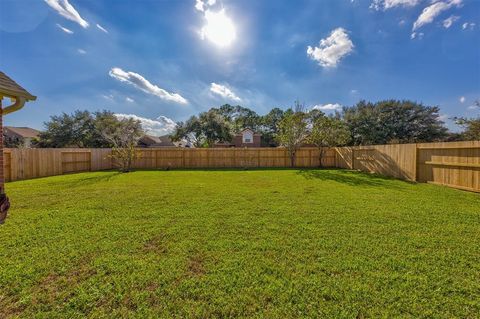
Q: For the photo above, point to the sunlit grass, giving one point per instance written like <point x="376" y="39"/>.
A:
<point x="260" y="243"/>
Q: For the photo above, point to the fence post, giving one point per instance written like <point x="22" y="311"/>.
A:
<point x="415" y="177"/>
<point x="335" y="159"/>
<point x="183" y="158"/>
<point x="90" y="162"/>
<point x="353" y="158"/>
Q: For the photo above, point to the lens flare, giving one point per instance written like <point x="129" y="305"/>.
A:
<point x="219" y="28"/>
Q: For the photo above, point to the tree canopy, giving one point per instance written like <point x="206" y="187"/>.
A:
<point x="292" y="132"/>
<point x="393" y="121"/>
<point x="83" y="129"/>
<point x="327" y="131"/>
<point x="205" y="130"/>
<point x="384" y="122"/>
<point x="239" y="117"/>
<point x="389" y="121"/>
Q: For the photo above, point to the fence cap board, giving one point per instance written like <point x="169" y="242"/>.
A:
<point x="448" y="147"/>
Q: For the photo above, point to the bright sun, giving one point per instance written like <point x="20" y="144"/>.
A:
<point x="219" y="28"/>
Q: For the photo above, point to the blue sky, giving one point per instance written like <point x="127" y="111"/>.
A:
<point x="165" y="60"/>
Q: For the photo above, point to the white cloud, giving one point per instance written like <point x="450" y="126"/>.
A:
<point x="66" y="10"/>
<point x="416" y="35"/>
<point x="389" y="4"/>
<point x="473" y="107"/>
<point x="354" y="91"/>
<point x="129" y="99"/>
<point x="108" y="97"/>
<point x="224" y="92"/>
<point x="64" y="29"/>
<point x="468" y="25"/>
<point x="432" y="11"/>
<point x="462" y="99"/>
<point x="143" y="84"/>
<point x="331" y="49"/>
<point x="443" y="117"/>
<point x="327" y="107"/>
<point x="447" y="23"/>
<point x="102" y="28"/>
<point x="82" y="51"/>
<point x="201" y="5"/>
<point x="162" y="125"/>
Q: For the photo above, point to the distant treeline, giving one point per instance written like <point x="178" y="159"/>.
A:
<point x="366" y="123"/>
<point x="384" y="122"/>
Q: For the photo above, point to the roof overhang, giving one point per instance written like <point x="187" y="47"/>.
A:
<point x="10" y="89"/>
<point x="14" y="95"/>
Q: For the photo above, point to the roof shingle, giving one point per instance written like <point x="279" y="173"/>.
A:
<point x="10" y="88"/>
<point x="26" y="132"/>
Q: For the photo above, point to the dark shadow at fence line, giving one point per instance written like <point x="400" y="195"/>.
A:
<point x="89" y="180"/>
<point x="348" y="177"/>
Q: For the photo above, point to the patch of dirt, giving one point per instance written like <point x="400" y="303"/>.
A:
<point x="156" y="244"/>
<point x="10" y="308"/>
<point x="56" y="287"/>
<point x="195" y="265"/>
<point x="53" y="289"/>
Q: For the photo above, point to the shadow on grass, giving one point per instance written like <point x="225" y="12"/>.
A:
<point x="215" y="169"/>
<point x="351" y="178"/>
<point x="87" y="179"/>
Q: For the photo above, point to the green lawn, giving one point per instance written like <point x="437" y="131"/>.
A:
<point x="234" y="243"/>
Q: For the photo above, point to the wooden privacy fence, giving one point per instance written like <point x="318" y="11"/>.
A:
<point x="25" y="163"/>
<point x="230" y="158"/>
<point x="454" y="164"/>
<point x="30" y="163"/>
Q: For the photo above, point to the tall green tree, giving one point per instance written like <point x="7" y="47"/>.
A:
<point x="205" y="130"/>
<point x="123" y="136"/>
<point x="269" y="126"/>
<point x="79" y="129"/>
<point x="293" y="132"/>
<point x="68" y="130"/>
<point x="16" y="142"/>
<point x="327" y="131"/>
<point x="239" y="117"/>
<point x="393" y="121"/>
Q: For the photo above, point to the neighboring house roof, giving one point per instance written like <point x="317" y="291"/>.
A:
<point x="10" y="88"/>
<point x="160" y="141"/>
<point x="247" y="129"/>
<point x="25" y="132"/>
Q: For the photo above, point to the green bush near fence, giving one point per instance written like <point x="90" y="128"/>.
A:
<point x="233" y="243"/>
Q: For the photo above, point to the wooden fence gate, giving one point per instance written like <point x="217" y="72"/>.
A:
<point x="76" y="161"/>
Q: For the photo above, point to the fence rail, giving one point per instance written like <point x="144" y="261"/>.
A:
<point x="454" y="164"/>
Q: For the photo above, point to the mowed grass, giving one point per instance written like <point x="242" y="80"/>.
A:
<point x="234" y="243"/>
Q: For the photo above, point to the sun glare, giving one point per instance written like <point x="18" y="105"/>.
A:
<point x="219" y="28"/>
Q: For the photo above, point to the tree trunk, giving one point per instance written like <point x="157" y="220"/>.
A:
<point x="292" y="159"/>
<point x="320" y="157"/>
